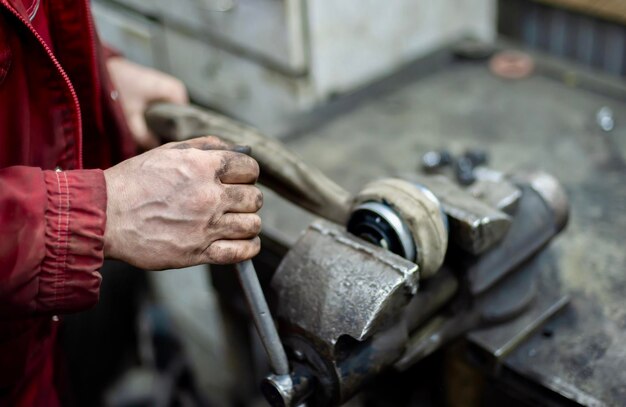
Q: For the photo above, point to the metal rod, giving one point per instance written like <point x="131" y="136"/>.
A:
<point x="262" y="317"/>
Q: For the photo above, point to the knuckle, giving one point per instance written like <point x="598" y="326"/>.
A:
<point x="220" y="255"/>
<point x="211" y="139"/>
<point x="255" y="246"/>
<point x="255" y="224"/>
<point x="258" y="200"/>
<point x="254" y="166"/>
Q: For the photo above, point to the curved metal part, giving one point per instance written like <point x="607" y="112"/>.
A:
<point x="400" y="228"/>
<point x="533" y="227"/>
<point x="287" y="390"/>
<point x="475" y="226"/>
<point x="331" y="284"/>
<point x="551" y="191"/>
<point x="511" y="298"/>
<point x="278" y="390"/>
<point x="421" y="213"/>
<point x="429" y="194"/>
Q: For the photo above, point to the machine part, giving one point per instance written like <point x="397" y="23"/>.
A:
<point x="497" y="342"/>
<point x="477" y="156"/>
<point x="604" y="118"/>
<point x="282" y="170"/>
<point x="501" y="194"/>
<point x="498" y="288"/>
<point x="512" y="298"/>
<point x="464" y="171"/>
<point x="484" y="173"/>
<point x="434" y="293"/>
<point x="474" y="225"/>
<point x="536" y="224"/>
<point x="262" y="317"/>
<point x="287" y="390"/>
<point x="550" y="190"/>
<point x="433" y="161"/>
<point x="332" y="284"/>
<point x="421" y="212"/>
<point x="355" y="364"/>
<point x="349" y="317"/>
<point x="380" y="225"/>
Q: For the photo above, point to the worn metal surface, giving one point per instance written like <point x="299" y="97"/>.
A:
<point x="422" y="213"/>
<point x="332" y="284"/>
<point x="495" y="289"/>
<point x="500" y="194"/>
<point x="533" y="227"/>
<point x="540" y="122"/>
<point x="474" y="225"/>
<point x="262" y="317"/>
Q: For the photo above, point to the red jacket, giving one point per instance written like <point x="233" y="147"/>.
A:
<point x="57" y="111"/>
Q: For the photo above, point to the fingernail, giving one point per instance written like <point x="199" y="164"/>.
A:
<point x="242" y="149"/>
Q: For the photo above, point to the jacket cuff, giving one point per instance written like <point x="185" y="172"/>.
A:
<point x="75" y="222"/>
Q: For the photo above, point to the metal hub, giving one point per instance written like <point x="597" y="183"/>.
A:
<point x="379" y="224"/>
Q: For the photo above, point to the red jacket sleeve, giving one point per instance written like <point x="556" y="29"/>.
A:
<point x="51" y="240"/>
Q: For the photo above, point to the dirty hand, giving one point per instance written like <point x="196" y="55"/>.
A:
<point x="138" y="86"/>
<point x="183" y="204"/>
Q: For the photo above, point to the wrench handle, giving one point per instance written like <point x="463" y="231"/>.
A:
<point x="262" y="318"/>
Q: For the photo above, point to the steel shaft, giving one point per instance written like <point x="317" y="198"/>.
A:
<point x="262" y="318"/>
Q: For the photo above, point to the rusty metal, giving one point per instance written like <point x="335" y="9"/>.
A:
<point x="332" y="284"/>
<point x="474" y="225"/>
<point x="351" y="308"/>
<point x="495" y="189"/>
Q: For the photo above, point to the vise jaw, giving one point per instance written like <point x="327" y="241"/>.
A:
<point x="332" y="284"/>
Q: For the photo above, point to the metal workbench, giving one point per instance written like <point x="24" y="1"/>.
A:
<point x="546" y="121"/>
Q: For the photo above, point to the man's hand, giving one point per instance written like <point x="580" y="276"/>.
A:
<point x="138" y="86"/>
<point x="183" y="204"/>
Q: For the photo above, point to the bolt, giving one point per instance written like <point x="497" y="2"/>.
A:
<point x="464" y="171"/>
<point x="604" y="118"/>
<point x="435" y="160"/>
<point x="298" y="354"/>
<point x="477" y="156"/>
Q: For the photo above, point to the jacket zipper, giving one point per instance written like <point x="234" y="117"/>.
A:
<point x="66" y="78"/>
<point x="94" y="65"/>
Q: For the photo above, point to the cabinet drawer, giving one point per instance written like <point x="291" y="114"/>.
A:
<point x="137" y="38"/>
<point x="246" y="90"/>
<point x="271" y="31"/>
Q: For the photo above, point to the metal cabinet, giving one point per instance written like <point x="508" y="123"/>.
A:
<point x="262" y="61"/>
<point x="132" y="34"/>
<point x="236" y="85"/>
<point x="271" y="31"/>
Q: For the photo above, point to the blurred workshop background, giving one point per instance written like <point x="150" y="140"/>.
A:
<point x="361" y="89"/>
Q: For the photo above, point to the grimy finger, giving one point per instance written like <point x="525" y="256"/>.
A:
<point x="237" y="168"/>
<point x="232" y="251"/>
<point x="208" y="143"/>
<point x="237" y="226"/>
<point x="242" y="198"/>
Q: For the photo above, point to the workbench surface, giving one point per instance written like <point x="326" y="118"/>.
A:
<point x="546" y="121"/>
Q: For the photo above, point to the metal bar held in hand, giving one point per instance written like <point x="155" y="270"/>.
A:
<point x="262" y="317"/>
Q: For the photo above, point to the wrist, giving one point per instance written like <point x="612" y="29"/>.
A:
<point x="109" y="228"/>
